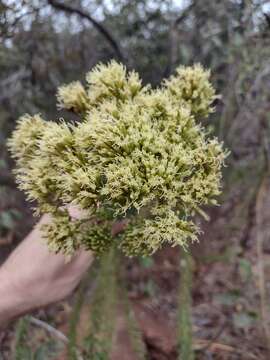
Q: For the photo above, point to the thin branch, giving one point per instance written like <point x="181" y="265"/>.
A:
<point x="52" y="331"/>
<point x="216" y="336"/>
<point x="267" y="19"/>
<point x="70" y="9"/>
<point x="184" y="14"/>
<point x="174" y="40"/>
<point x="15" y="77"/>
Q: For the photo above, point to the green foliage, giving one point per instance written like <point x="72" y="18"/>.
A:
<point x="137" y="153"/>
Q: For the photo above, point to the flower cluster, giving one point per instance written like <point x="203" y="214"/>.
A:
<point x="137" y="152"/>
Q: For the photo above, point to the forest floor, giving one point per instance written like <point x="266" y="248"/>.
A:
<point x="225" y="310"/>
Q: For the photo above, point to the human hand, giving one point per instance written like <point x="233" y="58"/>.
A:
<point x="33" y="277"/>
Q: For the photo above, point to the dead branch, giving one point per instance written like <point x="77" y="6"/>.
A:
<point x="70" y="9"/>
<point x="267" y="19"/>
<point x="52" y="331"/>
<point x="173" y="38"/>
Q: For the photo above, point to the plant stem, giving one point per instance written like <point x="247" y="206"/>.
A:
<point x="185" y="304"/>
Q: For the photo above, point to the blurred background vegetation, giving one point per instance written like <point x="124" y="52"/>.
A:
<point x="45" y="43"/>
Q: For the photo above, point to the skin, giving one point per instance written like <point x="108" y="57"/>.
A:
<point x="33" y="277"/>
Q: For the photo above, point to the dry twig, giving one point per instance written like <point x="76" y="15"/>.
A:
<point x="52" y="331"/>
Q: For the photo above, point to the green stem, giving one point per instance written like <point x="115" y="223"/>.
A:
<point x="185" y="305"/>
<point x="99" y="341"/>
<point x="21" y="349"/>
<point x="74" y="319"/>
<point x="133" y="327"/>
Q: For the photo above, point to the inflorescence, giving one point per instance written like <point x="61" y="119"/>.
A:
<point x="137" y="153"/>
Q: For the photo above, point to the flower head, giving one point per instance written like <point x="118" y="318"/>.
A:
<point x="138" y="153"/>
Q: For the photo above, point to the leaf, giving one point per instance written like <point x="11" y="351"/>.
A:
<point x="146" y="262"/>
<point x="47" y="350"/>
<point x="245" y="270"/>
<point x="150" y="288"/>
<point x="16" y="214"/>
<point x="6" y="220"/>
<point x="228" y="299"/>
<point x="243" y="320"/>
<point x="3" y="164"/>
